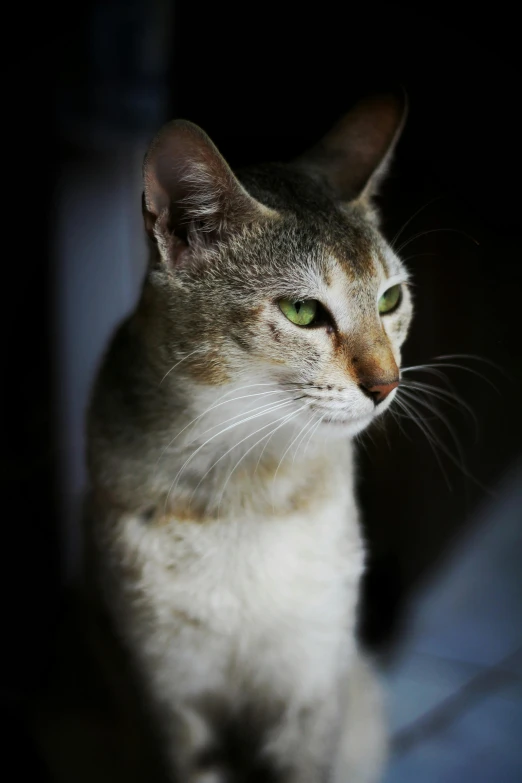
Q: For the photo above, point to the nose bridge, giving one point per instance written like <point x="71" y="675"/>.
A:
<point x="374" y="367"/>
<point x="378" y="360"/>
<point x="370" y="358"/>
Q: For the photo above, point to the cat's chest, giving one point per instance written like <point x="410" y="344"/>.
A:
<point x="273" y="598"/>
<point x="252" y="572"/>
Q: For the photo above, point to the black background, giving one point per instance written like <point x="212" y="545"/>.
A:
<point x="265" y="82"/>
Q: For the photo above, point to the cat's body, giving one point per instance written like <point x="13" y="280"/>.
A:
<point x="222" y="495"/>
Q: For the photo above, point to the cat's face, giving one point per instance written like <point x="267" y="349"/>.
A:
<point x="283" y="287"/>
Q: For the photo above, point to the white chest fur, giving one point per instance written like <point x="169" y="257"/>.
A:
<point x="265" y="600"/>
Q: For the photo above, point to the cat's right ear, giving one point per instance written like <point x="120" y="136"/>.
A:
<point x="355" y="154"/>
<point x="191" y="197"/>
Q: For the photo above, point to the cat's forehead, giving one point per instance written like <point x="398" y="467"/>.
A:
<point x="358" y="253"/>
<point x="317" y="234"/>
<point x="338" y="254"/>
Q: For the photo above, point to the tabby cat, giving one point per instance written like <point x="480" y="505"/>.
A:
<point x="220" y="449"/>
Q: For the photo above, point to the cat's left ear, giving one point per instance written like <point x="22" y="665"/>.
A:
<point x="190" y="194"/>
<point x="354" y="156"/>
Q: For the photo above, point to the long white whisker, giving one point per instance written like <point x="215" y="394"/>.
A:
<point x="432" y="367"/>
<point x="405" y="225"/>
<point x="428" y="368"/>
<point x="282" y="458"/>
<point x="397" y="418"/>
<point x="459" y="464"/>
<point x="281" y="405"/>
<point x="263" y="450"/>
<point x="470" y="370"/>
<point x="414" y="416"/>
<point x="218" y="405"/>
<point x="217" y="434"/>
<point x="314" y="430"/>
<point x="196" y="350"/>
<point x="305" y="430"/>
<point x="369" y="435"/>
<point x="382" y="424"/>
<point x="360" y="442"/>
<point x="417" y="255"/>
<point x="265" y="407"/>
<point x="283" y="421"/>
<point x="435" y="231"/>
<point x="474" y="357"/>
<point x="451" y="398"/>
<point x="411" y="396"/>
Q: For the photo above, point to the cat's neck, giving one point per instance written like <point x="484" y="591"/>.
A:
<point x="253" y="468"/>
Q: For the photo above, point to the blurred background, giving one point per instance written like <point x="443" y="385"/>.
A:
<point x="442" y="497"/>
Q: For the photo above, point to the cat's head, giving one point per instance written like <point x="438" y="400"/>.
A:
<point x="279" y="275"/>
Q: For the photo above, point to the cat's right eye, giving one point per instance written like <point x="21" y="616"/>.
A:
<point x="300" y="313"/>
<point x="390" y="300"/>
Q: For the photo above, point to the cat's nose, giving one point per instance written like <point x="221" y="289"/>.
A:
<point x="378" y="391"/>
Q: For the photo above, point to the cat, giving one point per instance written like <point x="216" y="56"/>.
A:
<point x="267" y="336"/>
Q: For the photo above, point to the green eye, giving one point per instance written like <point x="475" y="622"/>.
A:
<point x="390" y="299"/>
<point x="300" y="313"/>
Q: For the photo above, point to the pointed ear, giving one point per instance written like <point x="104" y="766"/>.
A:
<point x="354" y="156"/>
<point x="190" y="192"/>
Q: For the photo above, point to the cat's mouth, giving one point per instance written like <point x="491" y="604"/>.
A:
<point x="346" y="426"/>
<point x="343" y="419"/>
<point x="346" y="421"/>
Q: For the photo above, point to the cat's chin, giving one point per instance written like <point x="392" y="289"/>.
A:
<point x="343" y="428"/>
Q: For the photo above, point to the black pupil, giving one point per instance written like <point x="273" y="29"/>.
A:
<point x="298" y="306"/>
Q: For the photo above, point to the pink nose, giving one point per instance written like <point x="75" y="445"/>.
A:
<point x="379" y="391"/>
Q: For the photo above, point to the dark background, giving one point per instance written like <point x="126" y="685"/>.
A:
<point x="266" y="83"/>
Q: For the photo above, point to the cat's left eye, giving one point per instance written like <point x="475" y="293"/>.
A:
<point x="300" y="313"/>
<point x="390" y="300"/>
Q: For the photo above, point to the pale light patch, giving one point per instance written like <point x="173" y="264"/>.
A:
<point x="209" y="776"/>
<point x="339" y="296"/>
<point x="394" y="265"/>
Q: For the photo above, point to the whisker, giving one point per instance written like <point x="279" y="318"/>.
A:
<point x="305" y="431"/>
<point x="472" y="371"/>
<point x="281" y="461"/>
<point x="370" y="436"/>
<point x="407" y="223"/>
<point x="217" y="434"/>
<point x="304" y="428"/>
<point x="435" y="231"/>
<point x="397" y="418"/>
<point x="442" y="418"/>
<point x="233" y="447"/>
<point x="196" y="350"/>
<point x="386" y="434"/>
<point x="314" y="430"/>
<point x="268" y="441"/>
<point x="417" y="255"/>
<point x="433" y="367"/>
<point x="266" y="407"/>
<point x="359" y="439"/>
<point x="414" y="416"/>
<point x="460" y="464"/>
<point x="283" y="421"/>
<point x="450" y="398"/>
<point x="262" y="452"/>
<point x="218" y="405"/>
<point x="474" y="357"/>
